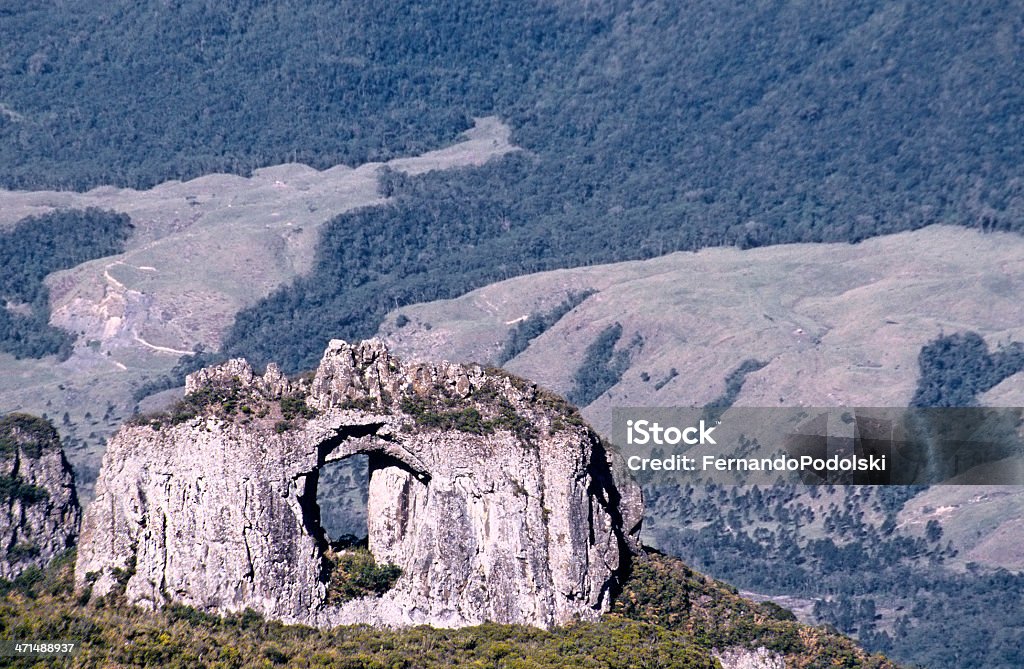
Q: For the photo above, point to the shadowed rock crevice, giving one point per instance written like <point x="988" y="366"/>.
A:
<point x="490" y="497"/>
<point x="311" y="509"/>
<point x="604" y="492"/>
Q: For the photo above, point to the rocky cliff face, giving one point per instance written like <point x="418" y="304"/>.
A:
<point x="493" y="498"/>
<point x="744" y="658"/>
<point x="39" y="512"/>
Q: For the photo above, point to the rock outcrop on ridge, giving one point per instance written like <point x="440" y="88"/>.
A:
<point x="39" y="512"/>
<point x="491" y="496"/>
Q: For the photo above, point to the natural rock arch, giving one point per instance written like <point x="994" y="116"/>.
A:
<point x="493" y="498"/>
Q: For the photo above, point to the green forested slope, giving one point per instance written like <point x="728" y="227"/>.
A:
<point x="772" y="115"/>
<point x="955" y="369"/>
<point x="648" y="127"/>
<point x="134" y="93"/>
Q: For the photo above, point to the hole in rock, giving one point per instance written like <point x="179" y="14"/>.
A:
<point x="341" y="495"/>
<point x="360" y="510"/>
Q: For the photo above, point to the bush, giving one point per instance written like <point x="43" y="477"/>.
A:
<point x="29" y="433"/>
<point x="355" y="573"/>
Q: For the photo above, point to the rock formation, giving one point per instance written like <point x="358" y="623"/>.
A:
<point x="745" y="658"/>
<point x="39" y="512"/>
<point x="491" y="496"/>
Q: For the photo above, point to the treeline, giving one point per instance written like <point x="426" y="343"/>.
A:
<point x="604" y="362"/>
<point x="35" y="247"/>
<point x="829" y="123"/>
<point x="733" y="385"/>
<point x="150" y="91"/>
<point x="447" y="233"/>
<point x="519" y="337"/>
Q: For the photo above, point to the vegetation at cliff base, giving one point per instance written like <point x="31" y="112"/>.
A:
<point x="35" y="247"/>
<point x="42" y="605"/>
<point x="664" y="591"/>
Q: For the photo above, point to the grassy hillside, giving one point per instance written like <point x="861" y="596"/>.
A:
<point x="837" y="324"/>
<point x="672" y="617"/>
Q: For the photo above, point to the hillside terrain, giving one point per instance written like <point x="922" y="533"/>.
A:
<point x="646" y="130"/>
<point x="826" y="325"/>
<point x="831" y="324"/>
<point x="197" y="253"/>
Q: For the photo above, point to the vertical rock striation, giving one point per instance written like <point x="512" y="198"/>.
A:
<point x="39" y="512"/>
<point x="492" y="497"/>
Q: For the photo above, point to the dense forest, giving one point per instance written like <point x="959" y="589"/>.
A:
<point x="890" y="589"/>
<point x="853" y="118"/>
<point x="647" y="128"/>
<point x="35" y="247"/>
<point x="956" y="368"/>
